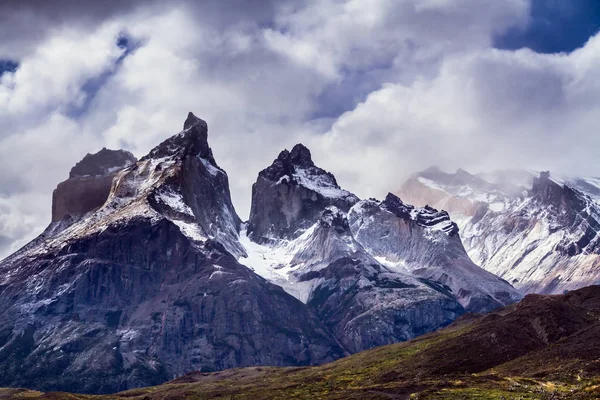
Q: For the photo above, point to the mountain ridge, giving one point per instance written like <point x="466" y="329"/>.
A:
<point x="542" y="238"/>
<point x="162" y="277"/>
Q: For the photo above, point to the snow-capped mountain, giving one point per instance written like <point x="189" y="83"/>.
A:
<point x="538" y="232"/>
<point x="146" y="272"/>
<point x="362" y="265"/>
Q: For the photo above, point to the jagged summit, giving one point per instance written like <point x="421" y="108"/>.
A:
<point x="289" y="195"/>
<point x="537" y="230"/>
<point x="546" y="189"/>
<point x="426" y="243"/>
<point x="288" y="163"/>
<point x="192" y="120"/>
<point x="178" y="181"/>
<point x="193" y="140"/>
<point x="300" y="155"/>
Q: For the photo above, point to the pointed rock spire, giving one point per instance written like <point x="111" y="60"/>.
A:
<point x="290" y="195"/>
<point x="192" y="120"/>
<point x="300" y="156"/>
<point x="193" y="140"/>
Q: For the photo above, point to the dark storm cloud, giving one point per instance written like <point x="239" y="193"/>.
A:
<point x="555" y="26"/>
<point x="24" y="23"/>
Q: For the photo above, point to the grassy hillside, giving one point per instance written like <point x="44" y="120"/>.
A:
<point x="546" y="347"/>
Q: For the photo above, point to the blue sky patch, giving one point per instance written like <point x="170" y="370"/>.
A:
<point x="556" y="26"/>
<point x="8" y="66"/>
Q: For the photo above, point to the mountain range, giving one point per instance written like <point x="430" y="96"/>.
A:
<point x="538" y="232"/>
<point x="147" y="273"/>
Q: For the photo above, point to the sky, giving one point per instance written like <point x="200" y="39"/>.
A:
<point x="376" y="89"/>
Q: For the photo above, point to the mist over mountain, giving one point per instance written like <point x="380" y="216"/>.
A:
<point x="537" y="231"/>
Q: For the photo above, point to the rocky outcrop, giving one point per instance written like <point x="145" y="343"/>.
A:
<point x="290" y="195"/>
<point x="571" y="210"/>
<point x="89" y="183"/>
<point x="115" y="311"/>
<point x="158" y="277"/>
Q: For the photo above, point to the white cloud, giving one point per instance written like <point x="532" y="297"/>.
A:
<point x="442" y="95"/>
<point x="485" y="109"/>
<point x="53" y="75"/>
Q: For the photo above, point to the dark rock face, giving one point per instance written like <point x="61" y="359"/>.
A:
<point x="290" y="195"/>
<point x="115" y="311"/>
<point x="77" y="196"/>
<point x="570" y="210"/>
<point x="427" y="216"/>
<point x="89" y="183"/>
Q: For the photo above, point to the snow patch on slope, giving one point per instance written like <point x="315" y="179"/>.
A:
<point x="319" y="182"/>
<point x="274" y="263"/>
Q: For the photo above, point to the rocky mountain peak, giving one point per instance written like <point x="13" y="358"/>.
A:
<point x="545" y="188"/>
<point x="103" y="162"/>
<point x="393" y="204"/>
<point x="192" y="120"/>
<point x="290" y="195"/>
<point x="300" y="156"/>
<point x="464" y="174"/>
<point x="289" y="162"/>
<point x="193" y="140"/>
<point x="89" y="183"/>
<point x="549" y="192"/>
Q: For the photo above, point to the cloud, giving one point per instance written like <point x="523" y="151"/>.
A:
<point x="376" y="89"/>
<point x="486" y="109"/>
